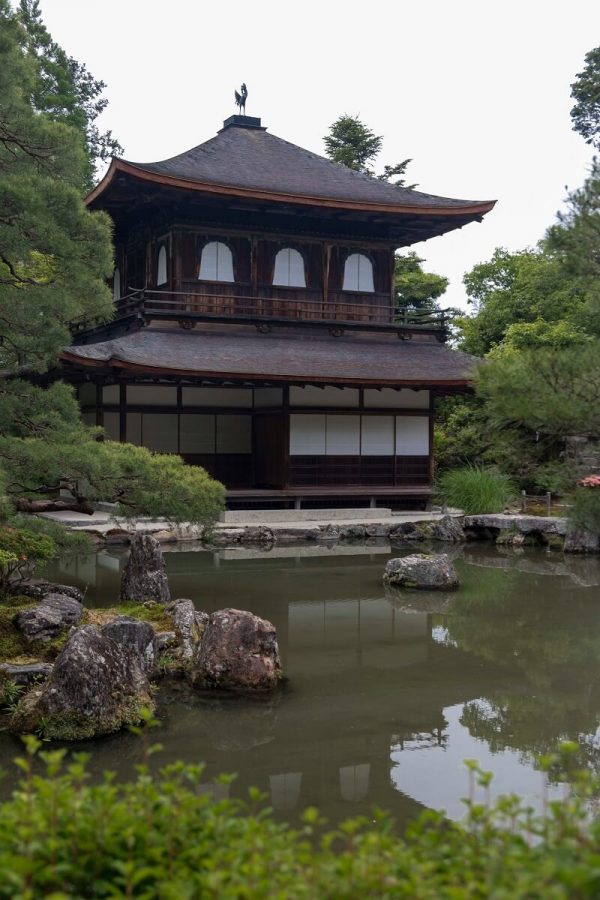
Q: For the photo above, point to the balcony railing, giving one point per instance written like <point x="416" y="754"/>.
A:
<point x="277" y="304"/>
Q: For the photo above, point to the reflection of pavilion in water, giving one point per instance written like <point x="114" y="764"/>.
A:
<point x="364" y="677"/>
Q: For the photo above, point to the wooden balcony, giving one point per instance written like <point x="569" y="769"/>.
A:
<point x="206" y="301"/>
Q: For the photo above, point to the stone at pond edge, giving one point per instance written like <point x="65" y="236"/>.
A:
<point x="48" y="619"/>
<point x="581" y="541"/>
<point x="38" y="589"/>
<point x="238" y="652"/>
<point x="136" y="636"/>
<point x="189" y="623"/>
<point x="421" y="571"/>
<point x="144" y="577"/>
<point x="96" y="687"/>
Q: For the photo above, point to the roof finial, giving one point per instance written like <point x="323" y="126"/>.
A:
<point x="240" y="99"/>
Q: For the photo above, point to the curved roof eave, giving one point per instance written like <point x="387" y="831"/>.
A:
<point x="119" y="165"/>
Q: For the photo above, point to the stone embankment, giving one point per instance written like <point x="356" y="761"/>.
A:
<point x="511" y="530"/>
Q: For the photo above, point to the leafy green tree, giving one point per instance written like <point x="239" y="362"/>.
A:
<point x="414" y="287"/>
<point x="55" y="257"/>
<point x="353" y="144"/>
<point x="67" y="92"/>
<point x="585" y="114"/>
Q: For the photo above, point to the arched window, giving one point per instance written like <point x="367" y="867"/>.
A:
<point x="216" y="262"/>
<point x="289" y="268"/>
<point x="116" y="285"/>
<point x="161" y="266"/>
<point x="358" y="273"/>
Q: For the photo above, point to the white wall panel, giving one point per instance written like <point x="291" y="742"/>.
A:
<point x="388" y="398"/>
<point x="216" y="396"/>
<point x="342" y="436"/>
<point x="151" y="394"/>
<point x="377" y="435"/>
<point x="307" y="435"/>
<point x="328" y="396"/>
<point x="196" y="433"/>
<point x="110" y="393"/>
<point x="234" y="434"/>
<point x="264" y="397"/>
<point x="111" y="426"/>
<point x="159" y="432"/>
<point x="133" y="428"/>
<point x="87" y="395"/>
<point x="412" y="435"/>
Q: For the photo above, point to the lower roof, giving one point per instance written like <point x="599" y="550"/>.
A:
<point x="244" y="354"/>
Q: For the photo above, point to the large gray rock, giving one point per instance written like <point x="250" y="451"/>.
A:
<point x="258" y="535"/>
<point x="96" y="687"/>
<point x="144" y="576"/>
<point x="189" y="623"/>
<point x="421" y="571"/>
<point x="521" y="523"/>
<point x="238" y="652"/>
<point x="38" y="588"/>
<point x="136" y="636"/>
<point x="581" y="541"/>
<point x="47" y="620"/>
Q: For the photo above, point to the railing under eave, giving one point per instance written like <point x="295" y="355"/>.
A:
<point x="225" y="306"/>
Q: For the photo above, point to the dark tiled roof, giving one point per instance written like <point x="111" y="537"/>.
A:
<point x="293" y="357"/>
<point x="253" y="159"/>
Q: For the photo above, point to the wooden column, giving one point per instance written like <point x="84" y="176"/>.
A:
<point x="326" y="264"/>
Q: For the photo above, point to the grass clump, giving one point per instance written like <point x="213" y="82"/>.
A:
<point x="476" y="489"/>
<point x="151" y="612"/>
<point x="585" y="509"/>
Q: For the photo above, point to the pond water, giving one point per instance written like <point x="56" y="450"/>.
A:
<point x="387" y="693"/>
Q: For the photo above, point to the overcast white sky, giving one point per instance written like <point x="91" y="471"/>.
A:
<point x="475" y="91"/>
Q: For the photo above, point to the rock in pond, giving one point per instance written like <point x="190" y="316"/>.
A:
<point x="421" y="571"/>
<point x="581" y="541"/>
<point x="38" y="589"/>
<point x="48" y="618"/>
<point x="144" y="576"/>
<point x="96" y="687"/>
<point x="136" y="636"/>
<point x="238" y="652"/>
<point x="189" y="623"/>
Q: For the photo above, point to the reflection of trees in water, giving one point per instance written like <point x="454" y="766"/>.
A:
<point x="543" y="640"/>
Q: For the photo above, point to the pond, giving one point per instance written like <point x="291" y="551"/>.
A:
<point x="387" y="693"/>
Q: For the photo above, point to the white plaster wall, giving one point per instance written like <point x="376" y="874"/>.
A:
<point x="327" y="396"/>
<point x="196" y="433"/>
<point x="388" y="398"/>
<point x="270" y="396"/>
<point x="111" y="426"/>
<point x="378" y="435"/>
<point x="159" y="432"/>
<point x="342" y="436"/>
<point x="110" y="393"/>
<point x="307" y="435"/>
<point x="152" y="394"/>
<point x="216" y="396"/>
<point x="412" y="435"/>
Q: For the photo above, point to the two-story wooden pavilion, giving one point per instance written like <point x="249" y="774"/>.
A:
<point x="255" y="332"/>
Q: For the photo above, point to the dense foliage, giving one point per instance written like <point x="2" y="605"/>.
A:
<point x="585" y="511"/>
<point x="20" y="551"/>
<point x="159" y="836"/>
<point x="536" y="320"/>
<point x="55" y="257"/>
<point x="585" y="114"/>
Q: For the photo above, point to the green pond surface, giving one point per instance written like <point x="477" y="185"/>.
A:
<point x="387" y="693"/>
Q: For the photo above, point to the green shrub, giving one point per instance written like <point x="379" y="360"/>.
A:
<point x="66" y="540"/>
<point x="585" y="511"/>
<point x="159" y="836"/>
<point x="21" y="550"/>
<point x="475" y="489"/>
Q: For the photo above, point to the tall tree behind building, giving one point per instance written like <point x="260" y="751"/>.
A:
<point x="67" y="92"/>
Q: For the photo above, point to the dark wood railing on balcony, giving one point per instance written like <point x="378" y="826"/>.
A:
<point x="234" y="303"/>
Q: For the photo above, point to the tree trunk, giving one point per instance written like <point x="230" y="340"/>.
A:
<point x="38" y="506"/>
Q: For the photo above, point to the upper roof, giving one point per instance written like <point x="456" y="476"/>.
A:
<point x="301" y="357"/>
<point x="244" y="159"/>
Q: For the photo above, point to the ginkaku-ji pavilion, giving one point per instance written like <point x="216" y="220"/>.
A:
<point x="255" y="330"/>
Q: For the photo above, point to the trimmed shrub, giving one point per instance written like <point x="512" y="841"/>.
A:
<point x="21" y="551"/>
<point x="475" y="489"/>
<point x="159" y="836"/>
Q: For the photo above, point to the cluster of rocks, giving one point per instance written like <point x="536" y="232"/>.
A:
<point x="101" y="680"/>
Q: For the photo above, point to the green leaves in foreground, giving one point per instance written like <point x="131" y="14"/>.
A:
<point x="160" y="836"/>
